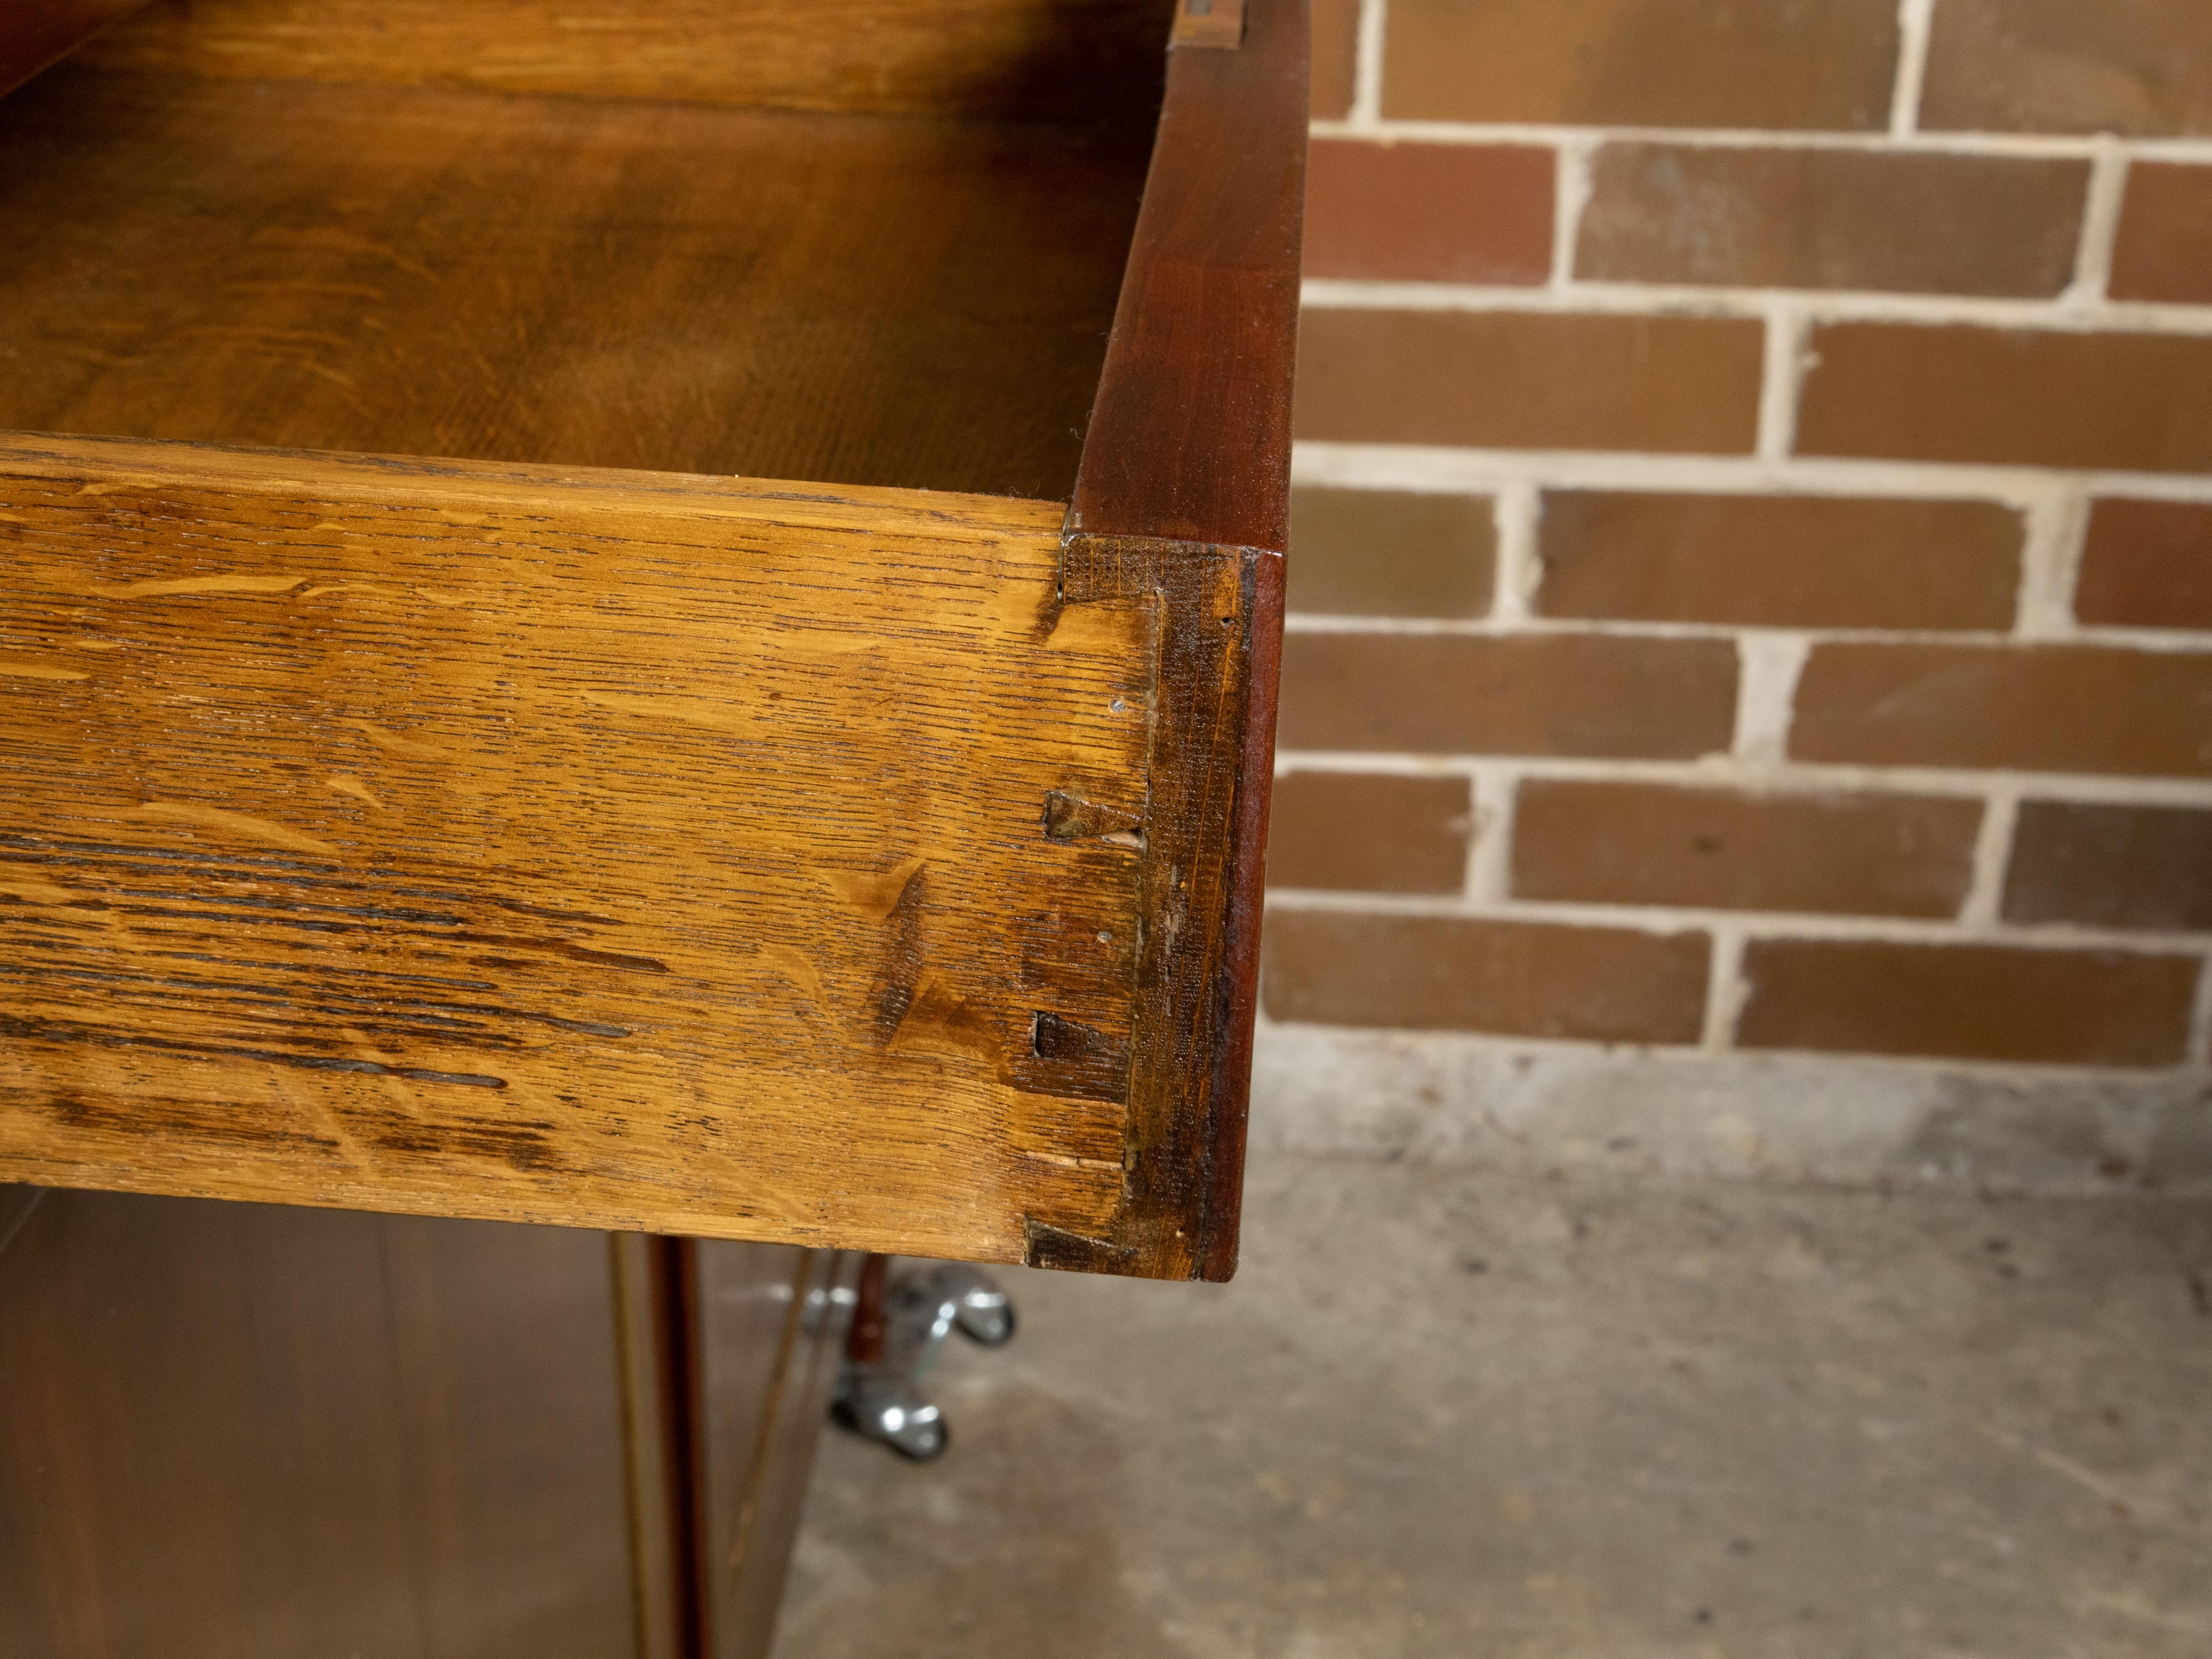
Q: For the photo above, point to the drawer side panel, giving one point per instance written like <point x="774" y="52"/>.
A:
<point x="611" y="849"/>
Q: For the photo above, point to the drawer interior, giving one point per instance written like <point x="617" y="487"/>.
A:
<point x="771" y="241"/>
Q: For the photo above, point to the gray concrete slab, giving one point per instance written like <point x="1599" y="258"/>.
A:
<point x="1449" y="1411"/>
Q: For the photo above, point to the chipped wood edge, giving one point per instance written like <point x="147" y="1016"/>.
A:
<point x="1201" y="848"/>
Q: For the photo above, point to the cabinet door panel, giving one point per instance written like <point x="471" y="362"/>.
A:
<point x="236" y="1431"/>
<point x="772" y="1333"/>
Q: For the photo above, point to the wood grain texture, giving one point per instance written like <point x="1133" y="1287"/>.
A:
<point x="383" y="270"/>
<point x="36" y="33"/>
<point x="239" y="1431"/>
<point x="1056" y="60"/>
<point x="630" y="852"/>
<point x="1190" y="437"/>
<point x="1211" y="753"/>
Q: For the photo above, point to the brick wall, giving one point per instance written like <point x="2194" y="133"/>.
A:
<point x="1752" y="557"/>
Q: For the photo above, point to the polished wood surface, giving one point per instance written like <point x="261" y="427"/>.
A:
<point x="1190" y="438"/>
<point x="35" y="32"/>
<point x="394" y="270"/>
<point x="235" y="1432"/>
<point x="1049" y="60"/>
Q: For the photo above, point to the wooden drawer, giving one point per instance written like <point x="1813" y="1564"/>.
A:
<point x="448" y="773"/>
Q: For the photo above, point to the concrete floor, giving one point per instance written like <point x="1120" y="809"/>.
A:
<point x="1443" y="1411"/>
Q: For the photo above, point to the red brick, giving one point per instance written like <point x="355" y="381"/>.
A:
<point x="1771" y="217"/>
<point x="1391" y="553"/>
<point x="1635" y="843"/>
<point x="1779" y="561"/>
<point x="2147" y="564"/>
<point x="2039" y="709"/>
<point x="2131" y="401"/>
<point x="1549" y="694"/>
<point x="1335" y="57"/>
<point x="1429" y="213"/>
<point x="1786" y="64"/>
<point x="1357" y="832"/>
<point x="1512" y="978"/>
<point x="2165" y="247"/>
<point x="1968" y="1001"/>
<point x="2112" y="866"/>
<point x="1530" y="380"/>
<point x="2131" y="66"/>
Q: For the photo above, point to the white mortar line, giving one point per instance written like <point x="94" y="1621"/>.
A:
<point x="1288" y="764"/>
<point x="1420" y="466"/>
<point x="1914" y="20"/>
<point x="1720" y="771"/>
<point x="1490" y="855"/>
<point x="2070" y="146"/>
<point x="1820" y="305"/>
<point x="1366" y="71"/>
<point x="1782" y="380"/>
<point x="2100" y="226"/>
<point x="2162" y="643"/>
<point x="1510" y="1045"/>
<point x="2200" y="1020"/>
<point x="1753" y="924"/>
<point x="1520" y="566"/>
<point x="1766" y="696"/>
<point x="1992" y="858"/>
<point x="2135" y="639"/>
<point x="1725" y="990"/>
<point x="1571" y="196"/>
<point x="2050" y="560"/>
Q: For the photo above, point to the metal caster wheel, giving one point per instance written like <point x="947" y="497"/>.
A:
<point x="919" y="1435"/>
<point x="895" y="1337"/>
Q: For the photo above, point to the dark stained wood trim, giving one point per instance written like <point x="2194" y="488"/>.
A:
<point x="1237" y="982"/>
<point x="34" y="33"/>
<point x="676" y="1277"/>
<point x="864" y="1341"/>
<point x="1184" y="494"/>
<point x="1190" y="436"/>
<point x="1217" y="621"/>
